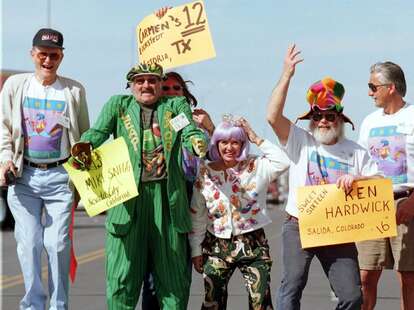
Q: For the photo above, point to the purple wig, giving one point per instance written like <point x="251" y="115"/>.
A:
<point x="226" y="131"/>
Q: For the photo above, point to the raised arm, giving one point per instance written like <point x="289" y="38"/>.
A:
<point x="275" y="117"/>
<point x="251" y="135"/>
<point x="275" y="160"/>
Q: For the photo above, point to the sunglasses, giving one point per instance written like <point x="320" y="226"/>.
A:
<point x="330" y="117"/>
<point x="174" y="87"/>
<point x="141" y="80"/>
<point x="374" y="87"/>
<point x="52" y="56"/>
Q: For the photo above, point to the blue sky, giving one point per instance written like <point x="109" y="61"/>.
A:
<point x="339" y="38"/>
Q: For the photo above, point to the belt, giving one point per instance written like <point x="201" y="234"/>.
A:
<point x="403" y="194"/>
<point x="291" y="218"/>
<point x="44" y="166"/>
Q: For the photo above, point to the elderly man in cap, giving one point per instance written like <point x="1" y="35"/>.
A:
<point x="42" y="116"/>
<point x="309" y="152"/>
<point x="148" y="232"/>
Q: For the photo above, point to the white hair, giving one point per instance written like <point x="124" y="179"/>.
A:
<point x="330" y="136"/>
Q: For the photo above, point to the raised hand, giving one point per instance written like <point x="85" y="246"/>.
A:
<point x="203" y="120"/>
<point x="292" y="58"/>
<point x="251" y="135"/>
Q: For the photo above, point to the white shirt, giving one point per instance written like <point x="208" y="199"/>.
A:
<point x="389" y="139"/>
<point x="45" y="129"/>
<point x="237" y="204"/>
<point x="313" y="163"/>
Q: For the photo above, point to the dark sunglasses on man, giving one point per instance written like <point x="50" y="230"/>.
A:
<point x="174" y="87"/>
<point x="374" y="87"/>
<point x="141" y="80"/>
<point x="330" y="116"/>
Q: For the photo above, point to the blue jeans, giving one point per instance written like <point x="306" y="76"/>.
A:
<point x="339" y="262"/>
<point x="37" y="191"/>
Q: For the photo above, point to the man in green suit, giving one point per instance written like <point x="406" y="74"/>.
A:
<point x="149" y="231"/>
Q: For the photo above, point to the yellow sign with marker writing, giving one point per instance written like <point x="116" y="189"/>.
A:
<point x="182" y="36"/>
<point x="110" y="179"/>
<point x="328" y="215"/>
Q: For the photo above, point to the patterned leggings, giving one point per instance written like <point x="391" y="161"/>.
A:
<point x="248" y="252"/>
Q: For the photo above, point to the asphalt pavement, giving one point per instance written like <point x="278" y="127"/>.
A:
<point x="88" y="291"/>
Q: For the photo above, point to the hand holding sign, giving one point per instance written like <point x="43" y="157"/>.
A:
<point x="109" y="179"/>
<point x="81" y="156"/>
<point x="176" y="36"/>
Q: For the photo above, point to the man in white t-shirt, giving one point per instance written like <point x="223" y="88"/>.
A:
<point x="388" y="135"/>
<point x="321" y="155"/>
<point x="41" y="116"/>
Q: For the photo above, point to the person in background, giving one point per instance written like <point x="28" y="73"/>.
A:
<point x="148" y="232"/>
<point x="321" y="155"/>
<point x="388" y="135"/>
<point x="229" y="212"/>
<point x="174" y="85"/>
<point x="42" y="116"/>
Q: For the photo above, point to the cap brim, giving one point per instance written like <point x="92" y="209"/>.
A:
<point x="49" y="45"/>
<point x="348" y="120"/>
<point x="145" y="73"/>
<point x="304" y="116"/>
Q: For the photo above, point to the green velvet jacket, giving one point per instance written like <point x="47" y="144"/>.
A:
<point x="121" y="118"/>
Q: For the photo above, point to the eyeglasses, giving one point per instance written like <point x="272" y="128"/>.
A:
<point x="374" y="87"/>
<point x="141" y="80"/>
<point x="174" y="87"/>
<point x="52" y="56"/>
<point x="330" y="117"/>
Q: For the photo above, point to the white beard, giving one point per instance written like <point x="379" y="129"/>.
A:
<point x="327" y="136"/>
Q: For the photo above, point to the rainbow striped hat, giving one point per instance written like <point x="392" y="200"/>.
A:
<point x="323" y="95"/>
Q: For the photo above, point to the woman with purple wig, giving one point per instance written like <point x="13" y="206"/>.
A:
<point x="229" y="213"/>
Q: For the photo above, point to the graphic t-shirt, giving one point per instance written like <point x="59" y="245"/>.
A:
<point x="313" y="163"/>
<point x="389" y="138"/>
<point x="45" y="123"/>
<point x="153" y="159"/>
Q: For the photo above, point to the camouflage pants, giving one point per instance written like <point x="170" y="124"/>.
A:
<point x="248" y="252"/>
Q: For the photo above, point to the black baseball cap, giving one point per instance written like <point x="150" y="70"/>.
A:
<point x="48" y="37"/>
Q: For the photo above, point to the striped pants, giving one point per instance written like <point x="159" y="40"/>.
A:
<point x="151" y="244"/>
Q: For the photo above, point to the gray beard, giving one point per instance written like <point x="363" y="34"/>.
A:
<point x="330" y="136"/>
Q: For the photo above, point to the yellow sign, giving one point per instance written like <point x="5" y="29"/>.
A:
<point x="328" y="215"/>
<point x="182" y="36"/>
<point x="109" y="181"/>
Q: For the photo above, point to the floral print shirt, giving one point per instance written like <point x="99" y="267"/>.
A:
<point x="233" y="202"/>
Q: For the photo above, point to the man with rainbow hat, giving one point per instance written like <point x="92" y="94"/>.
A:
<point x="148" y="232"/>
<point x="320" y="155"/>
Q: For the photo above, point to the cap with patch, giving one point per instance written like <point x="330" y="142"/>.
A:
<point x="144" y="69"/>
<point x="47" y="37"/>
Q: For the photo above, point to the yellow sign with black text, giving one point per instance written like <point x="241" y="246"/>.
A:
<point x="110" y="179"/>
<point x="328" y="215"/>
<point x="182" y="36"/>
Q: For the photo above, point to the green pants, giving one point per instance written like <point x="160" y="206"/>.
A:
<point x="151" y="244"/>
